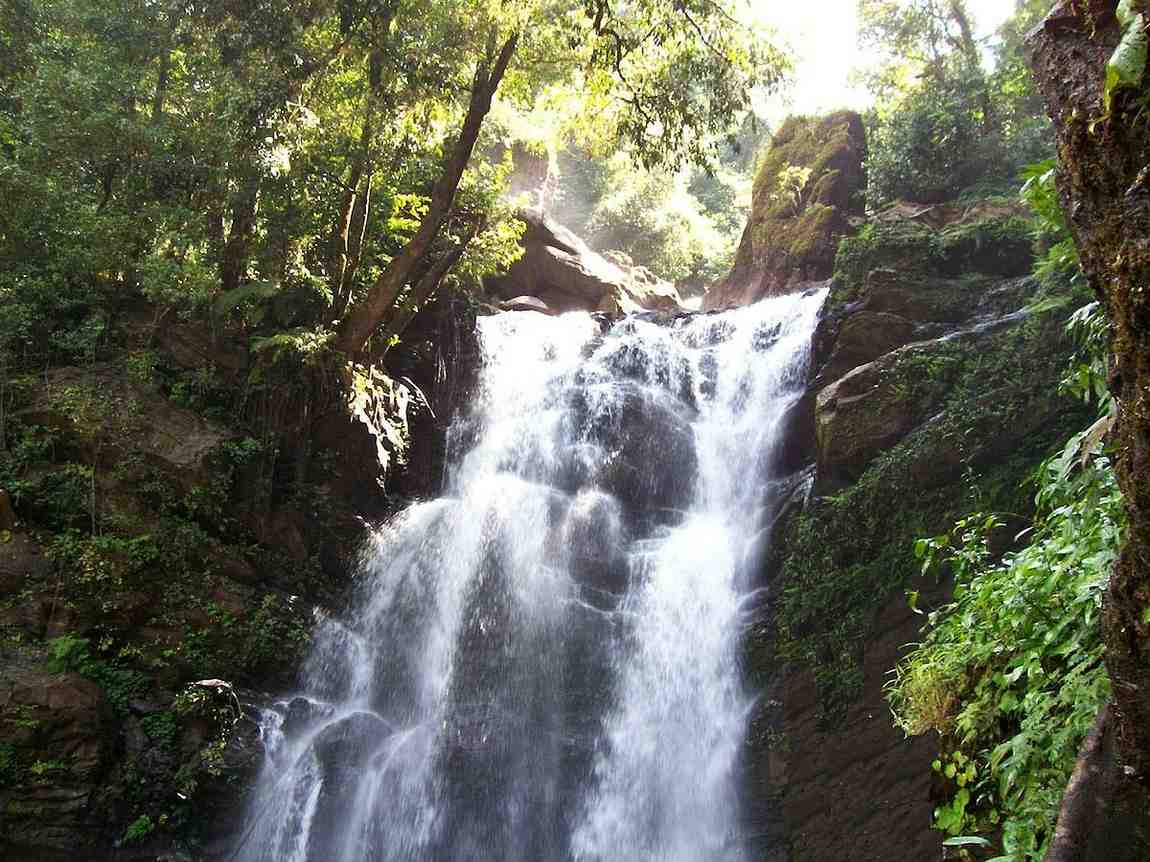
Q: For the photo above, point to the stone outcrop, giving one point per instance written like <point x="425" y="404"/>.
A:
<point x="560" y="272"/>
<point x="808" y="187"/>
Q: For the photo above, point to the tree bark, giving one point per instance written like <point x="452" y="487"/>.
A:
<point x="234" y="259"/>
<point x="365" y="316"/>
<point x="339" y="255"/>
<point x="1104" y="184"/>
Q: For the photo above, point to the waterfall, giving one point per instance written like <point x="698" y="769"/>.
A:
<point x="544" y="663"/>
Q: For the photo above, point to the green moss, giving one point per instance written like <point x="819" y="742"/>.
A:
<point x="802" y="189"/>
<point x="904" y="245"/>
<point x="999" y="246"/>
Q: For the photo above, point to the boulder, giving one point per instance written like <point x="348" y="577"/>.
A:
<point x="349" y="742"/>
<point x="22" y="563"/>
<point x="856" y="418"/>
<point x="559" y="270"/>
<point x="920" y="299"/>
<point x="864" y="337"/>
<point x="525" y="303"/>
<point x="806" y="190"/>
<point x="646" y="434"/>
<point x="592" y="536"/>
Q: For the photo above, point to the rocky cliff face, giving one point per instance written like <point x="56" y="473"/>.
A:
<point x="934" y="395"/>
<point x="168" y="518"/>
<point x="806" y="190"/>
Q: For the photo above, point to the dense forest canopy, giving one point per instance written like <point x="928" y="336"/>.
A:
<point x="329" y="155"/>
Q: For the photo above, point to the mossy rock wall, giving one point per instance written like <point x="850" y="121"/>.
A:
<point x="173" y="514"/>
<point x="937" y="368"/>
<point x="809" y="184"/>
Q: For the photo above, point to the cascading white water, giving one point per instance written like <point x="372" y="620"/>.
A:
<point x="544" y="664"/>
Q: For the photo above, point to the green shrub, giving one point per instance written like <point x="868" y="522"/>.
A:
<point x="138" y="829"/>
<point x="1010" y="673"/>
<point x="69" y="654"/>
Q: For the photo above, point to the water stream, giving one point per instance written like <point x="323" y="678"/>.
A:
<point x="543" y="664"/>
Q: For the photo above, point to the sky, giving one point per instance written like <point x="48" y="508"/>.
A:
<point x="823" y="35"/>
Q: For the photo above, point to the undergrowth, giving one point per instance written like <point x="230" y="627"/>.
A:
<point x="1010" y="673"/>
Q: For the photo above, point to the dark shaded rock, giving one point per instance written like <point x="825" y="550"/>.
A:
<point x="809" y="184"/>
<point x="63" y="722"/>
<point x="856" y="418"/>
<point x="7" y="513"/>
<point x="592" y="537"/>
<point x="301" y="713"/>
<point x="650" y="462"/>
<point x="350" y="742"/>
<point x="22" y="563"/>
<point x="922" y="300"/>
<point x="864" y="337"/>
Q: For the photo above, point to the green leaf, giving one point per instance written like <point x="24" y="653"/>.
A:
<point x="1127" y="11"/>
<point x="966" y="841"/>
<point x="1128" y="62"/>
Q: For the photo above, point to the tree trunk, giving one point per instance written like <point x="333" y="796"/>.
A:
<point x="341" y="237"/>
<point x="969" y="48"/>
<point x="1104" y="185"/>
<point x="234" y="259"/>
<point x="422" y="291"/>
<point x="365" y="316"/>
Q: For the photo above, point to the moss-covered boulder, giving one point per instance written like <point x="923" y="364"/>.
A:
<point x="808" y="185"/>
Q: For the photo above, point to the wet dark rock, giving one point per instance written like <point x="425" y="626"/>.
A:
<point x="349" y="743"/>
<point x="592" y="538"/>
<point x="864" y="337"/>
<point x="300" y="714"/>
<point x="650" y="461"/>
<point x="65" y="723"/>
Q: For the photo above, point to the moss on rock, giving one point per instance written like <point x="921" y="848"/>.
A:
<point x="807" y="186"/>
<point x="974" y="415"/>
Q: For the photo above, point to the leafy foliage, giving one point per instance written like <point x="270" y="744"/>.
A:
<point x="1127" y="65"/>
<point x="1057" y="264"/>
<point x="942" y="123"/>
<point x="1010" y="673"/>
<point x="73" y="654"/>
<point x="264" y="163"/>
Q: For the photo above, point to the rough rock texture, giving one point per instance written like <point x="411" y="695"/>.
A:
<point x="51" y="809"/>
<point x="932" y="387"/>
<point x="564" y="274"/>
<point x="1104" y="183"/>
<point x="806" y="189"/>
<point x="169" y="514"/>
